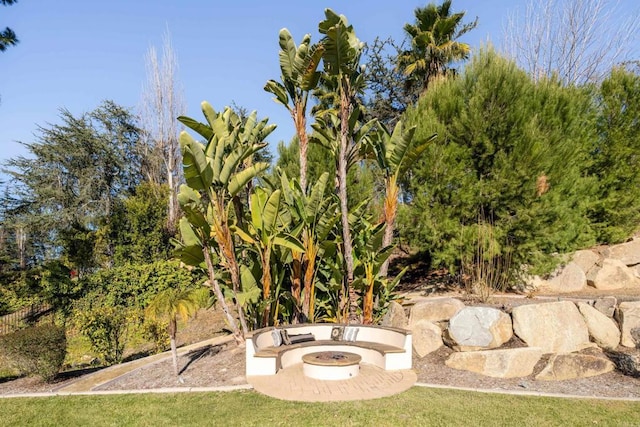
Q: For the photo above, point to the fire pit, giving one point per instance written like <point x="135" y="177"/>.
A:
<point x="331" y="365"/>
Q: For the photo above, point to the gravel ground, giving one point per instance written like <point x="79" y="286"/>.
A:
<point x="224" y="366"/>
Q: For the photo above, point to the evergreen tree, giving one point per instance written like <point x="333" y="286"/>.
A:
<point x="511" y="153"/>
<point x="616" y="212"/>
<point x="67" y="188"/>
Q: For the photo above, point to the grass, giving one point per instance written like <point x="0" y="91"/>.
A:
<point x="418" y="406"/>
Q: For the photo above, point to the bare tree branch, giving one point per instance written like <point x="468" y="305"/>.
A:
<point x="162" y="103"/>
<point x="579" y="41"/>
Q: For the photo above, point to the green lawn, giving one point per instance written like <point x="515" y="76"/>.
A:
<point x="418" y="406"/>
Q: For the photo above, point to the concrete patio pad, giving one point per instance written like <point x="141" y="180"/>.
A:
<point x="372" y="383"/>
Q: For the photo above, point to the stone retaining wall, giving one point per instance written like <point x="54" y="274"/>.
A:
<point x="562" y="330"/>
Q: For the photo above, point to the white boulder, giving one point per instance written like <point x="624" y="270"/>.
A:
<point x="435" y="310"/>
<point x="555" y="327"/>
<point x="612" y="274"/>
<point x="628" y="253"/>
<point x="629" y="318"/>
<point x="427" y="337"/>
<point x="476" y="328"/>
<point x="602" y="329"/>
<point x="502" y="363"/>
<point x="569" y="366"/>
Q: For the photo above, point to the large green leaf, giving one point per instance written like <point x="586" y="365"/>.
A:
<point x="189" y="237"/>
<point x="314" y="202"/>
<point x="197" y="126"/>
<point x="287" y="54"/>
<point x="288" y="241"/>
<point x="196" y="168"/>
<point x="250" y="291"/>
<point x="257" y="201"/>
<point x="342" y="47"/>
<point x="399" y="145"/>
<point x="209" y="113"/>
<point x="415" y="154"/>
<point x="279" y="91"/>
<point x="240" y="179"/>
<point x="270" y="212"/>
<point x="230" y="164"/>
<point x="191" y="255"/>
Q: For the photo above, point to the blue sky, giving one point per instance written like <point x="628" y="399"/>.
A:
<point x="76" y="53"/>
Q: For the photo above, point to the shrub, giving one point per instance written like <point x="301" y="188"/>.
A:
<point x="135" y="285"/>
<point x="38" y="350"/>
<point x="106" y="328"/>
<point x="156" y="332"/>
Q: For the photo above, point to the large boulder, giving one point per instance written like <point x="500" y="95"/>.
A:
<point x="586" y="259"/>
<point x="395" y="316"/>
<point x="569" y="366"/>
<point x="612" y="274"/>
<point x="427" y="337"/>
<point x="629" y="319"/>
<point x="571" y="278"/>
<point x="555" y="327"/>
<point x="477" y="328"/>
<point x="502" y="363"/>
<point x="606" y="305"/>
<point x="602" y="329"/>
<point x="533" y="283"/>
<point x="628" y="253"/>
<point x="435" y="310"/>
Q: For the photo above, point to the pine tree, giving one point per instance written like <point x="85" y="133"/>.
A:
<point x="511" y="153"/>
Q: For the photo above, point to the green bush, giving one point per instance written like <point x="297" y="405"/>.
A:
<point x="38" y="350"/>
<point x="135" y="285"/>
<point x="106" y="328"/>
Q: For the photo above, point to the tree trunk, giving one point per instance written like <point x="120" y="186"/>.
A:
<point x="296" y="287"/>
<point x="390" y="212"/>
<point x="172" y="213"/>
<point x="225" y="242"/>
<point x="237" y="334"/>
<point x="266" y="286"/>
<point x="345" y="111"/>
<point x="173" y="327"/>
<point x="309" y="265"/>
<point x="300" y="123"/>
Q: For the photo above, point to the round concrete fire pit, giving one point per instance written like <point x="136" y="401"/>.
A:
<point x="331" y="365"/>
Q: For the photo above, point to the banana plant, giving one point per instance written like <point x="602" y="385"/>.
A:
<point x="327" y="133"/>
<point x="298" y="65"/>
<point x="214" y="176"/>
<point x="317" y="217"/>
<point x="341" y="61"/>
<point x="370" y="254"/>
<point x="394" y="155"/>
<point x="263" y="233"/>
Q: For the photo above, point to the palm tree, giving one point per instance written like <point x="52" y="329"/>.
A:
<point x="298" y="65"/>
<point x="7" y="36"/>
<point x="433" y="43"/>
<point x="172" y="304"/>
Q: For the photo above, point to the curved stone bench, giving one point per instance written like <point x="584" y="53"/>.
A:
<point x="387" y="348"/>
